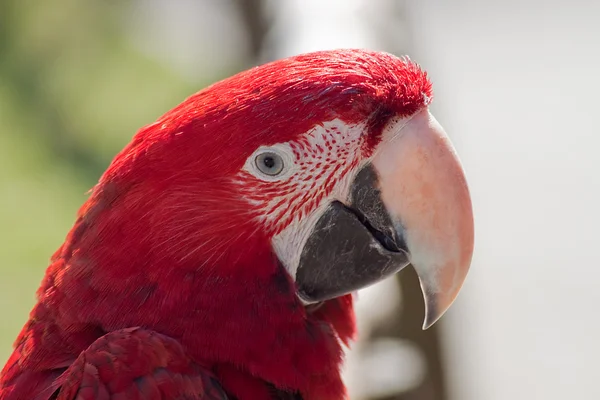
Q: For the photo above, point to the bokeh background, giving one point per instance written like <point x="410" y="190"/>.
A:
<point x="517" y="87"/>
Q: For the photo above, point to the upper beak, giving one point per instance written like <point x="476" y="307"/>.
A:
<point x="411" y="204"/>
<point x="424" y="190"/>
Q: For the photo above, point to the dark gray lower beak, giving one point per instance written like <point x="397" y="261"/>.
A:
<point x="351" y="247"/>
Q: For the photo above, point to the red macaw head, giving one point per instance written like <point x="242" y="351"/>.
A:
<point x="240" y="221"/>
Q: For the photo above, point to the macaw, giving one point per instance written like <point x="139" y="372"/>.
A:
<point x="217" y="256"/>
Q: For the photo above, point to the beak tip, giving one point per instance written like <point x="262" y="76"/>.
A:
<point x="431" y="313"/>
<point x="427" y="324"/>
<point x="437" y="303"/>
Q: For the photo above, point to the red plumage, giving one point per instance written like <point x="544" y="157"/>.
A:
<point x="155" y="247"/>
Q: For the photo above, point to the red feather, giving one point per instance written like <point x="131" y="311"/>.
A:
<point x="137" y="364"/>
<point x="166" y="243"/>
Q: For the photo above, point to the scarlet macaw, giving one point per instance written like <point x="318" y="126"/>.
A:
<point x="216" y="256"/>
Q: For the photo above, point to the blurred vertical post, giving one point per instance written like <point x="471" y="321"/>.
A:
<point x="406" y="326"/>
<point x="256" y="24"/>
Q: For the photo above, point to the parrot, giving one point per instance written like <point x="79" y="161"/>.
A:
<point x="219" y="254"/>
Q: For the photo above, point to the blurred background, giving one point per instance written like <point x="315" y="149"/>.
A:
<point x="517" y="88"/>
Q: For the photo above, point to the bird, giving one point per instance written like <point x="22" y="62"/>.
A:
<point x="218" y="255"/>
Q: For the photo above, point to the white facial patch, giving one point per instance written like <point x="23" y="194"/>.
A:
<point x="319" y="168"/>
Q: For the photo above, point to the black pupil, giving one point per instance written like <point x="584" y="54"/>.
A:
<point x="269" y="162"/>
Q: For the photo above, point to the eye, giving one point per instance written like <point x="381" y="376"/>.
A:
<point x="269" y="163"/>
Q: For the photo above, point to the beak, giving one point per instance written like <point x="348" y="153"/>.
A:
<point x="409" y="205"/>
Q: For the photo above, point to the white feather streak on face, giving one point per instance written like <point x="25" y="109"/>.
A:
<point x="322" y="165"/>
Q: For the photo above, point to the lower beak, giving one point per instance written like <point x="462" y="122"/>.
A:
<point x="410" y="205"/>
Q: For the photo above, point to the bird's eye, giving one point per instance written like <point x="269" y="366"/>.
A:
<point x="269" y="163"/>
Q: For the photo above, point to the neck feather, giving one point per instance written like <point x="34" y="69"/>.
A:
<point x="237" y="314"/>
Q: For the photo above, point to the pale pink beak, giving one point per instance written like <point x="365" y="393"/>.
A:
<point x="424" y="190"/>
